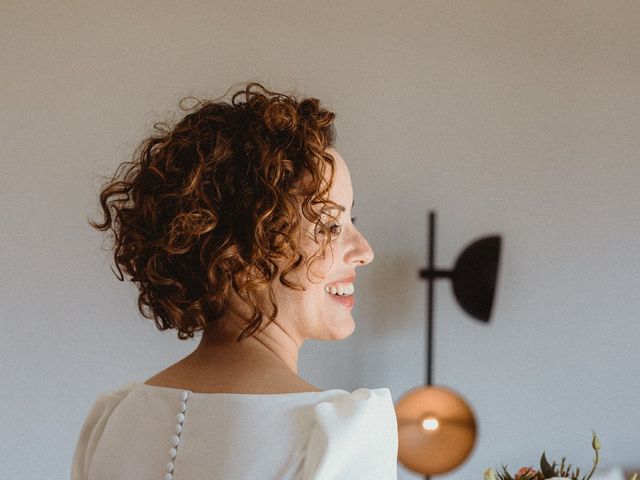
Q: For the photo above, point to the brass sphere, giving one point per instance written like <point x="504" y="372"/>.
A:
<point x="436" y="430"/>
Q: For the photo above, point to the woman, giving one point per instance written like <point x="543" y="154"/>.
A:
<point x="236" y="223"/>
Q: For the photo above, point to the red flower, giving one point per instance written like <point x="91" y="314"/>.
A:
<point x="527" y="473"/>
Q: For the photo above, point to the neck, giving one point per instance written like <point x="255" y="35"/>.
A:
<point x="270" y="346"/>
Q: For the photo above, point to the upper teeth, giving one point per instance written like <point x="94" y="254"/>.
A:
<point x="340" y="289"/>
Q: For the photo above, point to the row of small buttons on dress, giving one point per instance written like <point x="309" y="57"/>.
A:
<point x="175" y="440"/>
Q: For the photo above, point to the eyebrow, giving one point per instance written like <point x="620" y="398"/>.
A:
<point x="341" y="207"/>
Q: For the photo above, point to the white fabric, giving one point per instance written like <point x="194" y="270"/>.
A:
<point x="329" y="435"/>
<point x="611" y="474"/>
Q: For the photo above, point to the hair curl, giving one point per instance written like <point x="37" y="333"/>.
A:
<point x="209" y="205"/>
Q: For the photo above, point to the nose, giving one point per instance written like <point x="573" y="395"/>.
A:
<point x="362" y="252"/>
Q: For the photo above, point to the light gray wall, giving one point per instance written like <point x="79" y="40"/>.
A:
<point x="511" y="117"/>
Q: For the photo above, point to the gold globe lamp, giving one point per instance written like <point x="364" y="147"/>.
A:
<point x="436" y="426"/>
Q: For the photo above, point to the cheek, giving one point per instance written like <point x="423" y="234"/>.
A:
<point x="312" y="294"/>
<point x="319" y="268"/>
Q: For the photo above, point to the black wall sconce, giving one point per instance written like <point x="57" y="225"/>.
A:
<point x="436" y="426"/>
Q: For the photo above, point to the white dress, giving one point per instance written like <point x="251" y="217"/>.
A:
<point x="142" y="431"/>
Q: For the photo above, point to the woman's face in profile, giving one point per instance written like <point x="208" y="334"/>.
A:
<point x="314" y="313"/>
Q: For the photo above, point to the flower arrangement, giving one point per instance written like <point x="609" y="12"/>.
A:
<point x="549" y="471"/>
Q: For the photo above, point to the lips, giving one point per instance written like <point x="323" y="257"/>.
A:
<point x="350" y="279"/>
<point x="347" y="301"/>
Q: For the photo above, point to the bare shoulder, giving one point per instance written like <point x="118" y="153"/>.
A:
<point x="229" y="381"/>
<point x="298" y="385"/>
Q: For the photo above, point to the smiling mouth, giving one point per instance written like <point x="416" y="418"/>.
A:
<point x="345" y="300"/>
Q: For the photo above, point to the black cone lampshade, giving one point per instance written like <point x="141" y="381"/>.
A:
<point x="474" y="277"/>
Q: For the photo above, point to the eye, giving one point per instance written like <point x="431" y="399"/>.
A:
<point x="335" y="228"/>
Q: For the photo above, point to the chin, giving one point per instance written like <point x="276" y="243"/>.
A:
<point x="343" y="331"/>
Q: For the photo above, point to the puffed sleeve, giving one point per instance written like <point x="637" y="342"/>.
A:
<point x="355" y="436"/>
<point x="92" y="429"/>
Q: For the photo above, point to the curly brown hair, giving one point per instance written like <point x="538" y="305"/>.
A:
<point x="209" y="206"/>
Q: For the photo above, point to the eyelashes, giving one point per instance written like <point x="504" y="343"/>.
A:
<point x="339" y="227"/>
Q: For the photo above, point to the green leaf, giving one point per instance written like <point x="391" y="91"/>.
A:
<point x="547" y="470"/>
<point x="505" y="475"/>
